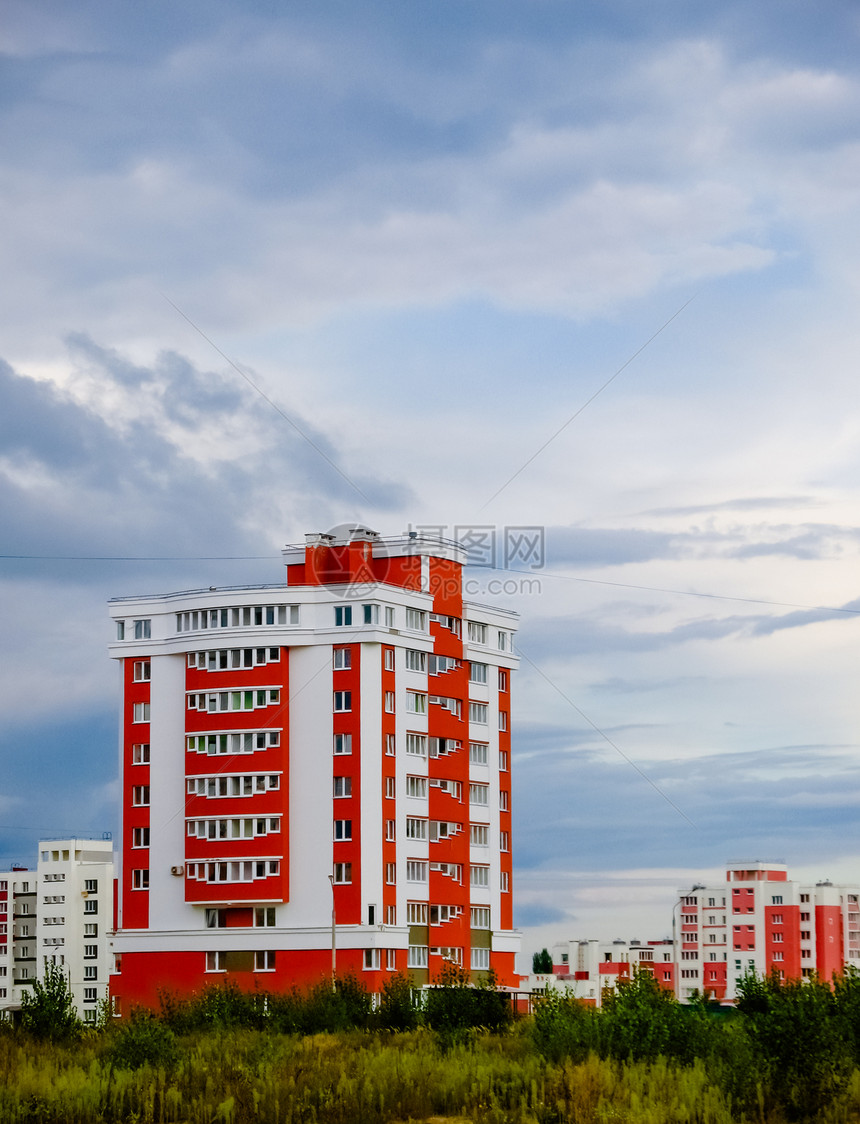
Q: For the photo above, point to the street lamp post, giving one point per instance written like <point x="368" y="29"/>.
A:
<point x="333" y="937"/>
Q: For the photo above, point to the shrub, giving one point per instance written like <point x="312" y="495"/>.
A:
<point x="454" y="1006"/>
<point x="399" y="1004"/>
<point x="641" y="1021"/>
<point x="47" y="1007"/>
<point x="143" y="1040"/>
<point x="796" y="1031"/>
<point x="563" y="1027"/>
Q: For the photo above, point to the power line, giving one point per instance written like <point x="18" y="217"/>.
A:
<point x="305" y="437"/>
<point x="685" y="592"/>
<point x="606" y="738"/>
<point x="585" y="404"/>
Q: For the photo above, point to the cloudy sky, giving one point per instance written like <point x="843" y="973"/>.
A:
<point x="272" y="267"/>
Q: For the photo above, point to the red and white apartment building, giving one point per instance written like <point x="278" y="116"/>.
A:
<point x="757" y="921"/>
<point x="336" y="748"/>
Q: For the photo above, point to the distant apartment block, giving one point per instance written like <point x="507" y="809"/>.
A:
<point x="338" y="744"/>
<point x="61" y="913"/>
<point x="758" y="921"/>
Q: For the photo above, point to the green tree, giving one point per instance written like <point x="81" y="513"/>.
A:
<point x="399" y="1004"/>
<point x="542" y="963"/>
<point x="800" y="1039"/>
<point x="47" y="1007"/>
<point x="640" y="1020"/>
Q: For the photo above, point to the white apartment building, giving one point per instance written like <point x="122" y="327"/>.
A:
<point x="59" y="913"/>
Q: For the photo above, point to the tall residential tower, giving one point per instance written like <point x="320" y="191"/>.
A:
<point x="338" y="745"/>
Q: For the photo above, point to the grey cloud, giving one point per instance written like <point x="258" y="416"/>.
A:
<point x="741" y="503"/>
<point x="588" y="547"/>
<point x="796" y="803"/>
<point x="131" y="491"/>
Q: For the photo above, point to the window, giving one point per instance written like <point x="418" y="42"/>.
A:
<point x="91" y="951"/>
<point x="342" y="873"/>
<point x="479" y="794"/>
<point x="480" y="961"/>
<point x="342" y="744"/>
<point x="370" y="614"/>
<point x="264" y="961"/>
<point x="478" y="753"/>
<point x="342" y="701"/>
<point x="91" y="972"/>
<point x="139" y="881"/>
<point x="389" y="702"/>
<point x="342" y="830"/>
<point x="479" y="835"/>
<point x="503" y="720"/>
<point x="341" y="659"/>
<point x="342" y="616"/>
<point x="416" y="871"/>
<point x="416" y="913"/>
<point x="477" y="673"/>
<point x="391" y="959"/>
<point x="91" y="929"/>
<point x="140" y="837"/>
<point x="215" y="918"/>
<point x="390" y="788"/>
<point x="143" y="630"/>
<point x="388" y="659"/>
<point x="341" y="786"/>
<point x="390" y="830"/>
<point x="120" y="630"/>
<point x="479" y="875"/>
<point x="91" y="885"/>
<point x="416" y="787"/>
<point x="248" y="741"/>
<point x="371" y="959"/>
<point x="415" y="828"/>
<point x="804" y="898"/>
<point x="264" y="917"/>
<point x="416" y="703"/>
<point x="503" y="800"/>
<point x="389" y="616"/>
<point x="141" y="671"/>
<point x="140" y="754"/>
<point x="415" y="661"/>
<point x="477" y="633"/>
<point x="480" y="917"/>
<point x="416" y="619"/>
<point x="90" y="994"/>
<point x="503" y="641"/>
<point x="390" y="875"/>
<point x="140" y="712"/>
<point x="478" y="713"/>
<point x="215" y="962"/>
<point x="504" y="882"/>
<point x="777" y="919"/>
<point x="776" y="899"/>
<point x="417" y="955"/>
<point x="140" y="795"/>
<point x="503" y="760"/>
<point x="503" y="679"/>
<point x="416" y="745"/>
<point x="504" y="841"/>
